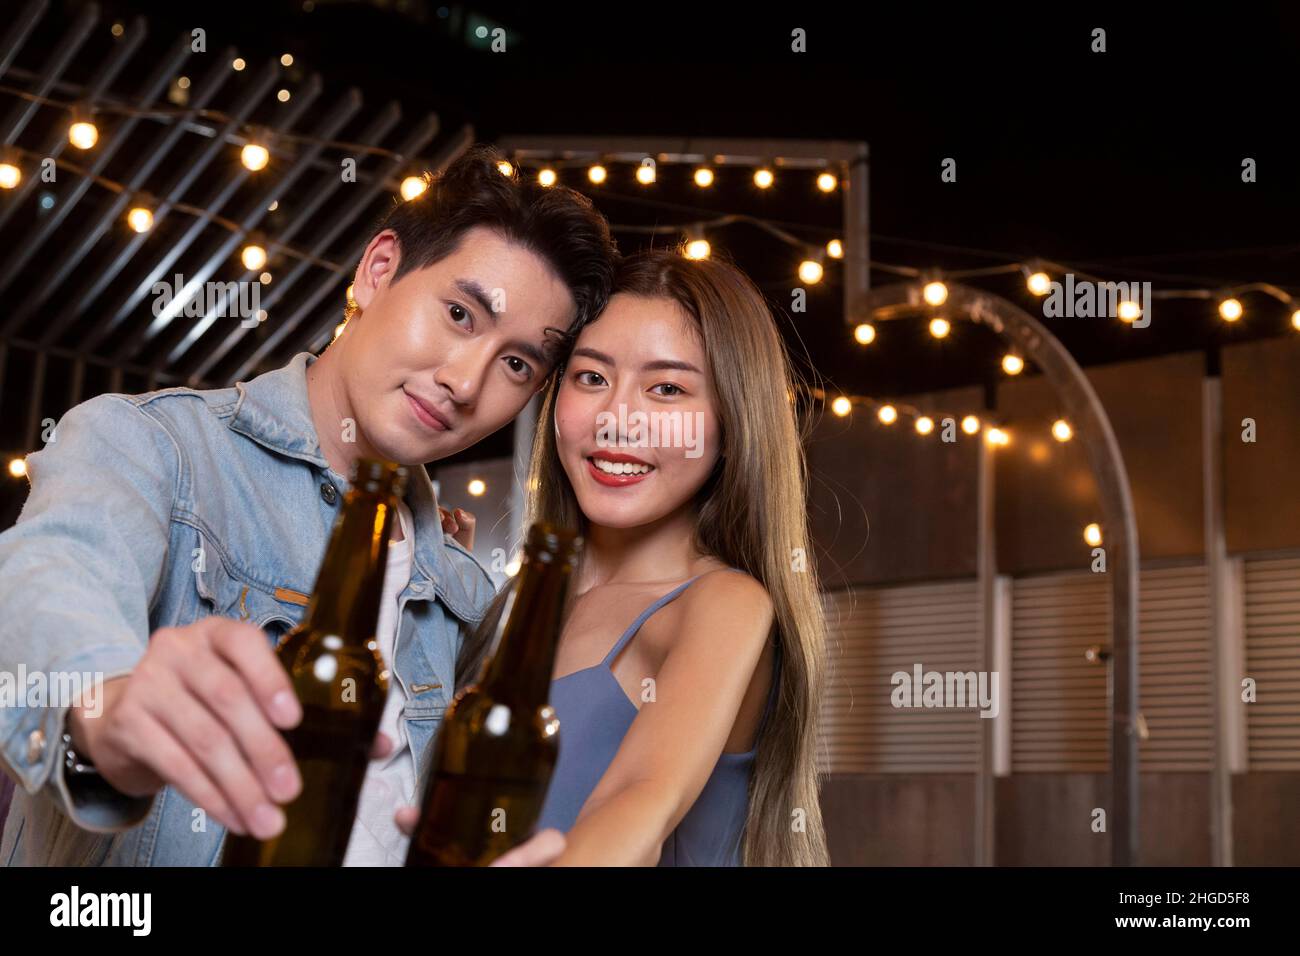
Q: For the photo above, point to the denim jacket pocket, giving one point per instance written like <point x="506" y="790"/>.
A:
<point x="228" y="595"/>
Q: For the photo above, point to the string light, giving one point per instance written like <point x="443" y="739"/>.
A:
<point x="835" y="249"/>
<point x="810" y="271"/>
<point x="940" y="327"/>
<point x="1230" y="309"/>
<point x="140" y="219"/>
<point x="1012" y="364"/>
<point x="698" y="249"/>
<point x="887" y="414"/>
<point x="1092" y="534"/>
<point x="935" y="293"/>
<point x="864" y="333"/>
<point x="83" y="134"/>
<point x="970" y="424"/>
<point x="1061" y="430"/>
<point x="764" y="177"/>
<point x="413" y="186"/>
<point x="17" y="467"/>
<point x="1295" y="319"/>
<point x="254" y="156"/>
<point x="998" y="437"/>
<point x="283" y="96"/>
<point x="924" y="425"/>
<point x="547" y="177"/>
<point x="10" y="175"/>
<point x="238" y="64"/>
<point x="704" y="177"/>
<point x="505" y="168"/>
<point x="253" y="257"/>
<point x="1128" y="311"/>
<point x="1039" y="283"/>
<point x="286" y="59"/>
<point x="827" y="182"/>
<point x="841" y="406"/>
<point x="597" y="174"/>
<point x="476" y="487"/>
<point x="645" y="173"/>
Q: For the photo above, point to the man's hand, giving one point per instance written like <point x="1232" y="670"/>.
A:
<point x="202" y="711"/>
<point x="459" y="525"/>
<point x="542" y="849"/>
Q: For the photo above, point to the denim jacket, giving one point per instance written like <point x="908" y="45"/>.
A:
<point x="155" y="510"/>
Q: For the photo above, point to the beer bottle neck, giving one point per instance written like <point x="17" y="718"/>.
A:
<point x="520" y="668"/>
<point x="349" y="586"/>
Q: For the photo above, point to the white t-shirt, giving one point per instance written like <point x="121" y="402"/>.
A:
<point x="389" y="783"/>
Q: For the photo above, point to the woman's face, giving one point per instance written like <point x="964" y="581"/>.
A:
<point x="636" y="419"/>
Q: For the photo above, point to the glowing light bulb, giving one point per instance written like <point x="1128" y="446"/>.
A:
<point x="924" y="425"/>
<point x="810" y="271"/>
<point x="841" y="406"/>
<point x="940" y="328"/>
<point x="827" y="182"/>
<point x="1040" y="283"/>
<point x="704" y="177"/>
<point x="413" y="186"/>
<point x="505" y="168"/>
<point x="238" y="64"/>
<point x="254" y="156"/>
<point x="698" y="249"/>
<point x="476" y="487"/>
<point x="597" y="174"/>
<point x="996" y="436"/>
<point x="547" y="177"/>
<point x="283" y="96"/>
<point x="887" y="414"/>
<point x="17" y="467"/>
<point x="865" y="333"/>
<point x="645" y="174"/>
<point x="253" y="257"/>
<point x="970" y="424"/>
<point x="140" y="219"/>
<point x="83" y="134"/>
<point x="763" y="178"/>
<point x="835" y="249"/>
<point x="1230" y="310"/>
<point x="10" y="175"/>
<point x="286" y="59"/>
<point x="935" y="293"/>
<point x="1092" y="534"/>
<point x="1061" y="430"/>
<point x="1295" y="319"/>
<point x="1128" y="311"/>
<point x="1012" y="364"/>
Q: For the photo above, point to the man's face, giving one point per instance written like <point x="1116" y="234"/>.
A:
<point x="446" y="355"/>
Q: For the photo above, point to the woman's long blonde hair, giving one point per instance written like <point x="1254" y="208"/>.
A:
<point x="752" y="515"/>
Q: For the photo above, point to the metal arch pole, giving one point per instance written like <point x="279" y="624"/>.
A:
<point x="1093" y="428"/>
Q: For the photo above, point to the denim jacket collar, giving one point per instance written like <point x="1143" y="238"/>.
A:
<point x="274" y="411"/>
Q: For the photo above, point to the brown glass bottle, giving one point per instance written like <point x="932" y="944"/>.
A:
<point x="493" y="756"/>
<point x="341" y="680"/>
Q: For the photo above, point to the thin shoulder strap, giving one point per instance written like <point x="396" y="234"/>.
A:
<point x="641" y="619"/>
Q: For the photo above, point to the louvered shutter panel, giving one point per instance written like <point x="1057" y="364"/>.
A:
<point x="1272" y="610"/>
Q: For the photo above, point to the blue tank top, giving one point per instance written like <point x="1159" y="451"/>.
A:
<point x="595" y="714"/>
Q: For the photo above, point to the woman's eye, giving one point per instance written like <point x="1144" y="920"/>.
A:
<point x="519" y="366"/>
<point x="675" y="389"/>
<point x="459" y="314"/>
<point x="589" y="378"/>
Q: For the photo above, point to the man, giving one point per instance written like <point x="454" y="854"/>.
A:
<point x="155" y="519"/>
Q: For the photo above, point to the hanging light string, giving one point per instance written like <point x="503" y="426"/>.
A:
<point x="184" y="114"/>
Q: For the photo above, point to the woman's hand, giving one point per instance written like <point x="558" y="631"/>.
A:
<point x="459" y="525"/>
<point x="541" y="850"/>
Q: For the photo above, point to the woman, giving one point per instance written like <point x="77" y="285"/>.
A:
<point x="686" y="676"/>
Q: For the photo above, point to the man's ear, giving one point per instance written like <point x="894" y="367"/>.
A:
<point x="378" y="264"/>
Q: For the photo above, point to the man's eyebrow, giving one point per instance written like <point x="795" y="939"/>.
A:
<point x="469" y="287"/>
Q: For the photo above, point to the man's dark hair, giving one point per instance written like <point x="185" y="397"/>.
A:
<point x="558" y="224"/>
